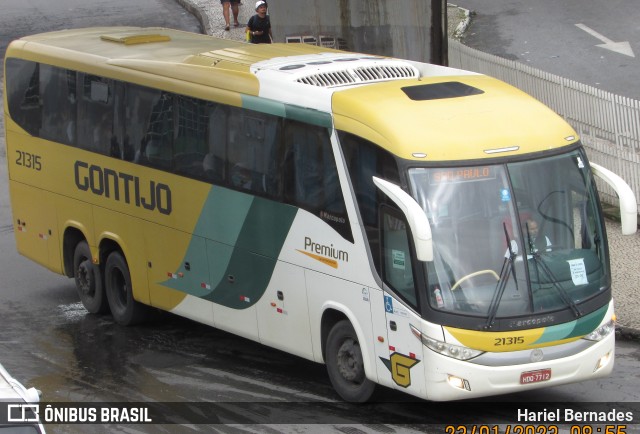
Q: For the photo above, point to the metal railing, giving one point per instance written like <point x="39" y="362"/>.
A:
<point x="608" y="124"/>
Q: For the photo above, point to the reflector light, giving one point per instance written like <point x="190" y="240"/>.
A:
<point x="603" y="361"/>
<point x="457" y="382"/>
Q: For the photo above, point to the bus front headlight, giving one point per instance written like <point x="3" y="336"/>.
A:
<point x="450" y="350"/>
<point x="601" y="332"/>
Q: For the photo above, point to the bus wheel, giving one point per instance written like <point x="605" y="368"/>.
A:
<point x="125" y="310"/>
<point x="345" y="366"/>
<point x="88" y="280"/>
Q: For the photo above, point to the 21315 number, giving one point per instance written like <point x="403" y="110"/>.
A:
<point x="28" y="160"/>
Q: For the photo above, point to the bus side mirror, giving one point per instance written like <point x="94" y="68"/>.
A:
<point x="628" y="204"/>
<point x="415" y="215"/>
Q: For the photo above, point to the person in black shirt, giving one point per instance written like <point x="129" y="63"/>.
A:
<point x="259" y="26"/>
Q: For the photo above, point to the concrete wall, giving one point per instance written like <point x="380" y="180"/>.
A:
<point x="399" y="28"/>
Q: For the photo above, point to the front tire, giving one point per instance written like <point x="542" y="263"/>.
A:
<point x="88" y="280"/>
<point x="345" y="365"/>
<point x="125" y="310"/>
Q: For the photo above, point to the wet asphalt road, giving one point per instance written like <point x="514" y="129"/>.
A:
<point x="545" y="35"/>
<point x="48" y="341"/>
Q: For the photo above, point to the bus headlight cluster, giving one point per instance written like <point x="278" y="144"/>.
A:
<point x="601" y="332"/>
<point x="456" y="351"/>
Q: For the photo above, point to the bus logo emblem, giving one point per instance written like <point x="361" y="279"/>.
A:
<point x="400" y="367"/>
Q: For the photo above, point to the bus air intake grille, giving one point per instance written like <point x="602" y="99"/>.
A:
<point x="376" y="73"/>
<point x="358" y="75"/>
<point x="328" y="79"/>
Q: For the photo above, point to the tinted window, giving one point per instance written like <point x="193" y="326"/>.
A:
<point x="311" y="176"/>
<point x="364" y="161"/>
<point x="23" y="94"/>
<point x="95" y="108"/>
<point x="246" y="150"/>
<point x="398" y="269"/>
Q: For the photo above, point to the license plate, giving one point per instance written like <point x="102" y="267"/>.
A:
<point x="535" y="376"/>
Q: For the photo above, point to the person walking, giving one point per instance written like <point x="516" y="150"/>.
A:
<point x="259" y="26"/>
<point x="233" y="5"/>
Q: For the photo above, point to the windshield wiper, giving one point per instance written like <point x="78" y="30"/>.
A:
<point x="539" y="263"/>
<point x="564" y="295"/>
<point x="507" y="269"/>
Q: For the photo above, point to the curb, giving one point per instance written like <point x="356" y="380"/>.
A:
<point x="197" y="12"/>
<point x="462" y="26"/>
<point x="627" y="333"/>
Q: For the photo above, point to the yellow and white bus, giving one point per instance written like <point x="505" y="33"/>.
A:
<point x="428" y="229"/>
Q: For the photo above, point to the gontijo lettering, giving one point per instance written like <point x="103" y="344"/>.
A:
<point x="122" y="186"/>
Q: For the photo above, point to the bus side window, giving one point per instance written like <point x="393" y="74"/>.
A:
<point x="396" y="256"/>
<point x="95" y="108"/>
<point x="119" y="144"/>
<point x="23" y="94"/>
<point x="213" y="162"/>
<point x="311" y="176"/>
<point x="158" y="141"/>
<point x="190" y="147"/>
<point x="58" y="87"/>
<point x="304" y="171"/>
<point x="138" y="104"/>
<point x="252" y="147"/>
<point x="364" y="160"/>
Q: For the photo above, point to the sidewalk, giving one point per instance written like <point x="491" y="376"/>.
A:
<point x="624" y="250"/>
<point x="209" y="13"/>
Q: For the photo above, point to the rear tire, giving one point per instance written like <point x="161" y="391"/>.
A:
<point x="125" y="310"/>
<point x="88" y="280"/>
<point x="345" y="365"/>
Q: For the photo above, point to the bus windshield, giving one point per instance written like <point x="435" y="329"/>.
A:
<point x="513" y="239"/>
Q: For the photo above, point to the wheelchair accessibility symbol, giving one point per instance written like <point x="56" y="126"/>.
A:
<point x="388" y="304"/>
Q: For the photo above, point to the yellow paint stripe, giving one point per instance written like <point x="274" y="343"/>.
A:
<point x="330" y="262"/>
<point x="502" y="341"/>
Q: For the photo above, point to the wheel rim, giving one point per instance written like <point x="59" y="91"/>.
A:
<point x="120" y="287"/>
<point x="350" y="361"/>
<point x="83" y="276"/>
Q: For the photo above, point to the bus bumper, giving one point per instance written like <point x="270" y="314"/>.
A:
<point x="450" y="379"/>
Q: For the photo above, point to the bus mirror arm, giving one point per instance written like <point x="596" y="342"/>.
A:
<point x="415" y="215"/>
<point x="628" y="204"/>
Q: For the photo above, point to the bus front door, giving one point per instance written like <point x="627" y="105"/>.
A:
<point x="400" y="304"/>
<point x="405" y="350"/>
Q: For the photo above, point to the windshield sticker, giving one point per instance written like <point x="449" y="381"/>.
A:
<point x="580" y="163"/>
<point x="398" y="259"/>
<point x="505" y="195"/>
<point x="578" y="271"/>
